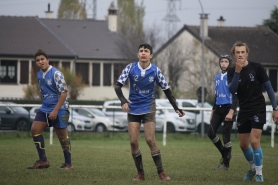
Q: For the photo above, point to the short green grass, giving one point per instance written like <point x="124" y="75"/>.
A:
<point x="106" y="159"/>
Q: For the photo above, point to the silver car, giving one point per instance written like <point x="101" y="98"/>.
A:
<point x="101" y="122"/>
<point x="76" y="122"/>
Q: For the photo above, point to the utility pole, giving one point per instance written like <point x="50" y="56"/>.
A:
<point x="171" y="18"/>
<point x="91" y="8"/>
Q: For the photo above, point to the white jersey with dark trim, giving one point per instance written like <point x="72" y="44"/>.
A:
<point x="142" y="92"/>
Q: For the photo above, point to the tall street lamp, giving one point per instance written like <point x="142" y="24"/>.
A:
<point x="203" y="75"/>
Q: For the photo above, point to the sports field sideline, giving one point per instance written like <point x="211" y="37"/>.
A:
<point x="106" y="159"/>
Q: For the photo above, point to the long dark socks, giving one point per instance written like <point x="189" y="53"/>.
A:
<point x="39" y="143"/>
<point x="217" y="142"/>
<point x="65" y="143"/>
<point x="157" y="160"/>
<point x="138" y="161"/>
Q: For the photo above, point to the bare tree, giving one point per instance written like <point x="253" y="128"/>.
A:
<point x="71" y="9"/>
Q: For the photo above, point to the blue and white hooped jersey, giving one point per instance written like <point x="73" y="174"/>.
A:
<point x="141" y="91"/>
<point x="52" y="84"/>
<point x="222" y="93"/>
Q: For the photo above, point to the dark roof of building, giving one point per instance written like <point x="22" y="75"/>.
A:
<point x="86" y="39"/>
<point x="263" y="42"/>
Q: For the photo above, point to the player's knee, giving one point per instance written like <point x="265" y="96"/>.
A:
<point x="210" y="133"/>
<point x="150" y="142"/>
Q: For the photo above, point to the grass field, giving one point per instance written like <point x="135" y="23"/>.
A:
<point x="106" y="159"/>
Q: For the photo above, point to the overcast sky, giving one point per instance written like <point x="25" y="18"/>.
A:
<point x="235" y="12"/>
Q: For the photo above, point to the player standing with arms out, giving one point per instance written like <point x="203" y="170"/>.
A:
<point x="141" y="106"/>
<point x="53" y="112"/>
<point x="247" y="79"/>
<point x="224" y="109"/>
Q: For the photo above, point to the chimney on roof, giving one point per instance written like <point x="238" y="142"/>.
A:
<point x="48" y="13"/>
<point x="112" y="18"/>
<point x="204" y="19"/>
<point x="221" y="21"/>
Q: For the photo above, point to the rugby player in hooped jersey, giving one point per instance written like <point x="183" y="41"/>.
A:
<point x="53" y="112"/>
<point x="224" y="110"/>
<point x="247" y="79"/>
<point x="141" y="106"/>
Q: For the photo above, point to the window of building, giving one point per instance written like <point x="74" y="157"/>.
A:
<point x="96" y="75"/>
<point x="82" y="69"/>
<point x="66" y="65"/>
<point x="24" y="72"/>
<point x="107" y="74"/>
<point x="118" y="68"/>
<point x="54" y="64"/>
<point x="8" y="72"/>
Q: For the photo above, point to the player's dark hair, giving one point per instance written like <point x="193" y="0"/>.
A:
<point x="40" y="52"/>
<point x="146" y="46"/>
<point x="237" y="44"/>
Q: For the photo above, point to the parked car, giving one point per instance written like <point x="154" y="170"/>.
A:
<point x="76" y="122"/>
<point x="194" y="113"/>
<point x="174" y="122"/>
<point x="101" y="122"/>
<point x="14" y="117"/>
<point x="268" y="124"/>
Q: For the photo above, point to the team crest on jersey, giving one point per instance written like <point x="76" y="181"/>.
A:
<point x="251" y="77"/>
<point x="151" y="78"/>
<point x="49" y="82"/>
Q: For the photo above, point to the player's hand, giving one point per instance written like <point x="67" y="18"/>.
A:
<point x="125" y="107"/>
<point x="275" y="116"/>
<point x="229" y="116"/>
<point x="239" y="65"/>
<point x="180" y="112"/>
<point x="53" y="115"/>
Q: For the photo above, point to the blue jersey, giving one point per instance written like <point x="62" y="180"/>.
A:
<point x="222" y="93"/>
<point x="52" y="84"/>
<point x="141" y="89"/>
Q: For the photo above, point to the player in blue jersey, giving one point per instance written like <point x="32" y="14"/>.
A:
<point x="141" y="106"/>
<point x="247" y="79"/>
<point x="53" y="112"/>
<point x="224" y="110"/>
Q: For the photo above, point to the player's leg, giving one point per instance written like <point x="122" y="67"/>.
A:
<point x="227" y="150"/>
<point x="60" y="125"/>
<point x="149" y="130"/>
<point x="134" y="123"/>
<point x="38" y="126"/>
<point x="216" y="121"/>
<point x="255" y="137"/>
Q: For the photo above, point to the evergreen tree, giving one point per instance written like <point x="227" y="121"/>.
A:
<point x="272" y="23"/>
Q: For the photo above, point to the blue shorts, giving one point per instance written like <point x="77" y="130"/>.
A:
<point x="60" y="122"/>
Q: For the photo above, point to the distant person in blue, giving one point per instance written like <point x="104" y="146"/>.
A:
<point x="53" y="112"/>
<point x="247" y="79"/>
<point x="224" y="110"/>
<point x="141" y="106"/>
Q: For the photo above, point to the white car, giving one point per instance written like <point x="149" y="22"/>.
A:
<point x="76" y="122"/>
<point x="196" y="114"/>
<point x="174" y="122"/>
<point x="101" y="122"/>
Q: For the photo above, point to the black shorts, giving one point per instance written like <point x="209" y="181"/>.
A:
<point x="246" y="121"/>
<point x="143" y="118"/>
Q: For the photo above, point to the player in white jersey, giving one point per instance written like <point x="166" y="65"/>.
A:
<point x="224" y="110"/>
<point x="141" y="106"/>
<point x="53" y="112"/>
